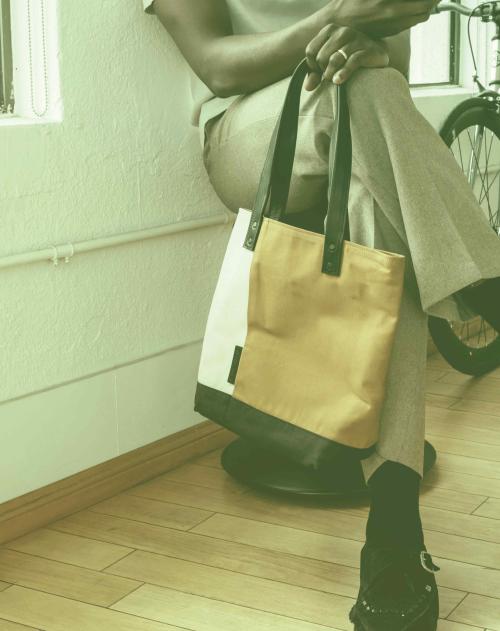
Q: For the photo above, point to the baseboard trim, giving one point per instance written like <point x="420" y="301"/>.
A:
<point x="81" y="490"/>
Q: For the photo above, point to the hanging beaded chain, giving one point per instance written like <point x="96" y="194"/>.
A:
<point x="42" y="13"/>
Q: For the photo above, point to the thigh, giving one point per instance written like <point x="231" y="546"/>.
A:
<point x="237" y="143"/>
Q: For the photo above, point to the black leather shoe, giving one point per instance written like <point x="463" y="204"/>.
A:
<point x="398" y="591"/>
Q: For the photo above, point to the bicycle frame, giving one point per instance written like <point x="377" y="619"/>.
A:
<point x="486" y="12"/>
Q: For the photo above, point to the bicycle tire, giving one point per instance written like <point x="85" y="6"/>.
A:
<point x="464" y="358"/>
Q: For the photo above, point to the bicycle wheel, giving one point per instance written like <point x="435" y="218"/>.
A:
<point x="472" y="132"/>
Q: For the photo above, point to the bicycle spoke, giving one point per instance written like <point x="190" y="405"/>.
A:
<point x="487" y="175"/>
<point x="474" y="155"/>
<point x="492" y="182"/>
<point x="485" y="185"/>
<point x="493" y="217"/>
<point x="460" y="150"/>
<point x="476" y="160"/>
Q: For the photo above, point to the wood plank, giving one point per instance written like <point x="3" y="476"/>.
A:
<point x="67" y="548"/>
<point x="166" y="490"/>
<point x="212" y="478"/>
<point x="439" y="401"/>
<point x="435" y="507"/>
<point x="64" y="580"/>
<point x="490" y="508"/>
<point x="467" y="577"/>
<point x="282" y="567"/>
<point x="480" y="391"/>
<point x="459" y="431"/>
<point x="464" y="525"/>
<point x="302" y="514"/>
<point x="481" y="407"/>
<point x="474" y="526"/>
<point x="448" y="600"/>
<point x="461" y="418"/>
<point x="54" y="613"/>
<point x="430" y="496"/>
<point x="462" y="482"/>
<point x="326" y="519"/>
<point x="458" y="447"/>
<point x="337" y="549"/>
<point x="283" y="599"/>
<point x="204" y="614"/>
<point x="478" y="610"/>
<point x="152" y="511"/>
<point x="267" y="508"/>
<point x="478" y="467"/>
<point x="446" y="499"/>
<point x="286" y="568"/>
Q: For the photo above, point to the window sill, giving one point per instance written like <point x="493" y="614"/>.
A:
<point x="7" y="120"/>
<point x="439" y="90"/>
<point x="436" y="102"/>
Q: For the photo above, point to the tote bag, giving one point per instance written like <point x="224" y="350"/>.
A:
<point x="301" y="324"/>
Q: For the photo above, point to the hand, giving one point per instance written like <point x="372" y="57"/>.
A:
<point x="326" y="62"/>
<point x="380" y="18"/>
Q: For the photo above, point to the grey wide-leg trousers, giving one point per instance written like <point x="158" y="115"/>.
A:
<point x="407" y="195"/>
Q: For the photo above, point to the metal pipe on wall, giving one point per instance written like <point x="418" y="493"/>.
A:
<point x="67" y="250"/>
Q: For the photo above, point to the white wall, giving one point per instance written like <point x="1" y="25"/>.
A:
<point x="99" y="356"/>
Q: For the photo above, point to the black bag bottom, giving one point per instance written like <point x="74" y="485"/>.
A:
<point x="295" y="443"/>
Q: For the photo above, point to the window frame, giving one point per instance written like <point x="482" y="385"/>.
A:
<point x="437" y="100"/>
<point x="7" y="98"/>
<point x="456" y="34"/>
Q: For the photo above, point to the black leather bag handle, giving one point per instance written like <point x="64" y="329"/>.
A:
<point x="274" y="184"/>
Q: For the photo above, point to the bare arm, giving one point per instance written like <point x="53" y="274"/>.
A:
<point x="235" y="64"/>
<point x="399" y="49"/>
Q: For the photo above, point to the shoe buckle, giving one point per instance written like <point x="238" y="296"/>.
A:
<point x="426" y="561"/>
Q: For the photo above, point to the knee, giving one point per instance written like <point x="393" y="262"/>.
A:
<point x="386" y="77"/>
<point x="377" y="83"/>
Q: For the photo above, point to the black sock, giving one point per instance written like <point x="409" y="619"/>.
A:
<point x="394" y="518"/>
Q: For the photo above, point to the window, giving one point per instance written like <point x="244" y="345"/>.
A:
<point x="6" y="83"/>
<point x="435" y="50"/>
<point x="29" y="66"/>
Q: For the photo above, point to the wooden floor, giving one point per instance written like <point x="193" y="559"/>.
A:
<point x="193" y="549"/>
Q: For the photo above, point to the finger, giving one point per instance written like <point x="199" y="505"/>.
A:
<point x="312" y="81"/>
<point x="342" y="36"/>
<point x="354" y="62"/>
<point x="315" y="45"/>
<point x="337" y="59"/>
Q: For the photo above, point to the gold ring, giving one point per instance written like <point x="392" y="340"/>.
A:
<point x="342" y="52"/>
